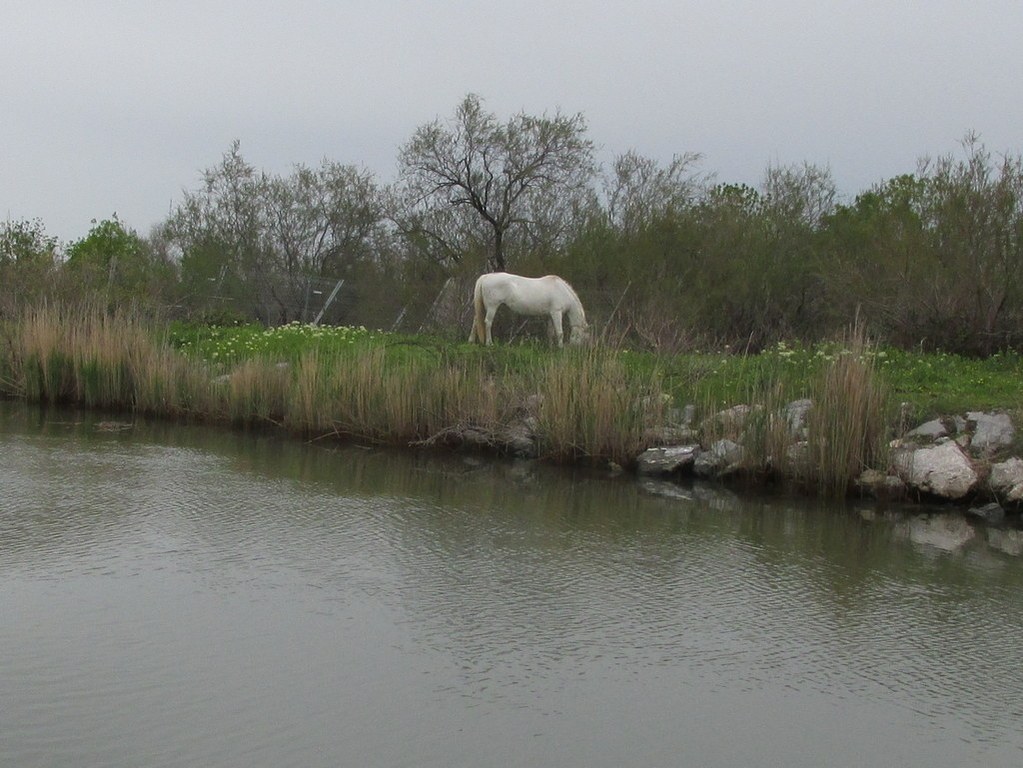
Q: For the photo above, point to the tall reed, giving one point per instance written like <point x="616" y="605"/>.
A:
<point x="848" y="423"/>
<point x="591" y="407"/>
<point x="78" y="355"/>
<point x="364" y="393"/>
<point x="845" y="430"/>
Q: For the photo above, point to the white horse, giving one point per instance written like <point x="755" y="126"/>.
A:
<point x="548" y="295"/>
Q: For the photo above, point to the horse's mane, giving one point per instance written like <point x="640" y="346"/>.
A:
<point x="575" y="296"/>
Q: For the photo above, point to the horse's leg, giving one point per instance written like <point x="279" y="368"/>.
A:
<point x="491" y="311"/>
<point x="559" y="331"/>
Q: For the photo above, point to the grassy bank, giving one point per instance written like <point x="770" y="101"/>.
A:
<point x="595" y="405"/>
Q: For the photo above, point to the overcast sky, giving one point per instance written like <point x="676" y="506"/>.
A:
<point x="118" y="106"/>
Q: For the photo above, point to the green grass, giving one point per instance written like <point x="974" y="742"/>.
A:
<point x="934" y="384"/>
<point x="229" y="345"/>
<point x="943" y="383"/>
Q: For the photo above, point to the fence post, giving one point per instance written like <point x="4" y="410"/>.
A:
<point x="328" y="302"/>
<point x="433" y="307"/>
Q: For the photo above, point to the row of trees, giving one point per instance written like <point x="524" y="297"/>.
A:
<point x="662" y="254"/>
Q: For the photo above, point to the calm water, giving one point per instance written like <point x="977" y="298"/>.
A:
<point x="187" y="597"/>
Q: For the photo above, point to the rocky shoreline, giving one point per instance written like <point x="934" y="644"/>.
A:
<point x="964" y="460"/>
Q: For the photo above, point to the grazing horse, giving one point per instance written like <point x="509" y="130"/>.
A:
<point x="548" y="295"/>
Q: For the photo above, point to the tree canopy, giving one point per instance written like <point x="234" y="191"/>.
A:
<point x="505" y="174"/>
<point x="661" y="253"/>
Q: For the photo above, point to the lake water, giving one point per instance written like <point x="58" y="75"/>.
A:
<point x="180" y="596"/>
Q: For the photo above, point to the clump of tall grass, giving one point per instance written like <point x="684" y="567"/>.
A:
<point x="846" y="426"/>
<point x="255" y="392"/>
<point x="849" y="422"/>
<point x="356" y="394"/>
<point x="369" y="393"/>
<point x="78" y="355"/>
<point x="592" y="407"/>
<point x="83" y="356"/>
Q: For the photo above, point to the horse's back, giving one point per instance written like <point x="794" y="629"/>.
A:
<point x="525" y="295"/>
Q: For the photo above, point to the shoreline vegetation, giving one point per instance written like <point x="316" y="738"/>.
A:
<point x="596" y="405"/>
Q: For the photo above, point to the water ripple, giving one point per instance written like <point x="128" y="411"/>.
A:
<point x="173" y="604"/>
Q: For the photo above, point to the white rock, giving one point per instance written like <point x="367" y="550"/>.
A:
<point x="993" y="431"/>
<point x="943" y="470"/>
<point x="720" y="457"/>
<point x="931" y="430"/>
<point x="1006" y="476"/>
<point x="666" y="460"/>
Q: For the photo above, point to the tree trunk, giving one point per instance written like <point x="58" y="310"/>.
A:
<point x="497" y="261"/>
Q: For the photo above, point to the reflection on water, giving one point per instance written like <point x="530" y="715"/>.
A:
<point x="182" y="596"/>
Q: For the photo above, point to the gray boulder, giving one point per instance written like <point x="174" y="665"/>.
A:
<point x="722" y="457"/>
<point x="729" y="422"/>
<point x="930" y="431"/>
<point x="1006" y="479"/>
<point x="992" y="432"/>
<point x="667" y="460"/>
<point x="942" y="470"/>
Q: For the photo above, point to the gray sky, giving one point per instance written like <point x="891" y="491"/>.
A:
<point x="118" y="106"/>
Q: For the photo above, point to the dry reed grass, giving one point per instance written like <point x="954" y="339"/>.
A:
<point x="848" y="425"/>
<point x="592" y="408"/>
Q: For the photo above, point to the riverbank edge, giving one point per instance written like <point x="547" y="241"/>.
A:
<point x="583" y="409"/>
<point x="985" y="484"/>
<point x="962" y="461"/>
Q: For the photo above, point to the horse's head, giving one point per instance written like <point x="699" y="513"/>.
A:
<point x="580" y="334"/>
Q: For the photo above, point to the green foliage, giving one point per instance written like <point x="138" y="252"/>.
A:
<point x="112" y="261"/>
<point x="942" y="383"/>
<point x="934" y="259"/>
<point x="930" y="261"/>
<point x="733" y="266"/>
<point x="665" y="260"/>
<point x="27" y="264"/>
<point x="25" y="242"/>
<point x="252" y="241"/>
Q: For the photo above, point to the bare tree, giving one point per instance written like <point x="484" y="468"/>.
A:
<point x="639" y="190"/>
<point x="220" y="231"/>
<point x="322" y="219"/>
<point x="799" y="193"/>
<point x="502" y="173"/>
<point x="258" y="240"/>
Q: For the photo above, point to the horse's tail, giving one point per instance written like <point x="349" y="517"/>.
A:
<point x="478" y="332"/>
